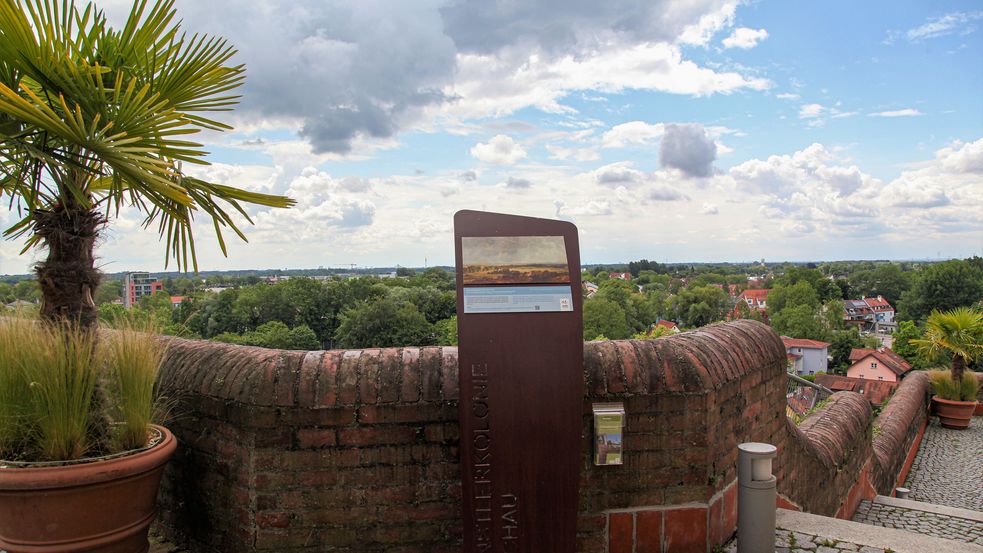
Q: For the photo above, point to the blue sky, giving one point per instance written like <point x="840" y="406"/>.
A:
<point x="706" y="130"/>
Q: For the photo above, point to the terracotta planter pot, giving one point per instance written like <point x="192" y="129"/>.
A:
<point x="104" y="506"/>
<point x="954" y="414"/>
<point x="979" y="410"/>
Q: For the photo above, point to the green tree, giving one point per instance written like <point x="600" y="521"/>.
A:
<point x="942" y="287"/>
<point x="446" y="331"/>
<point x="794" y="295"/>
<point x="383" y="323"/>
<point x="886" y="280"/>
<point x="956" y="334"/>
<point x="700" y="306"/>
<point x="605" y="317"/>
<point x="93" y="118"/>
<point x="901" y="344"/>
<point x="842" y="342"/>
<point x="801" y="321"/>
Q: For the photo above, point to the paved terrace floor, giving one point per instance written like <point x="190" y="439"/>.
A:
<point x="946" y="483"/>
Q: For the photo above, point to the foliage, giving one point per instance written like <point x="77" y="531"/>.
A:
<point x="657" y="331"/>
<point x="446" y="331"/>
<point x="944" y="386"/>
<point x="383" y="323"/>
<point x="887" y="280"/>
<point x="941" y="287"/>
<point x="842" y="342"/>
<point x="794" y="295"/>
<point x="957" y="334"/>
<point x="605" y="317"/>
<point x="700" y="306"/>
<point x="901" y="344"/>
<point x="801" y="321"/>
<point x="64" y="395"/>
<point x="92" y="119"/>
<point x="274" y="335"/>
<point x="134" y="358"/>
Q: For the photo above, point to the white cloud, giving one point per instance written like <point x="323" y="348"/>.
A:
<point x="489" y="85"/>
<point x="810" y="111"/>
<point x="787" y="96"/>
<point x="951" y="23"/>
<point x="618" y="174"/>
<point x="632" y="132"/>
<point x="745" y="38"/>
<point x="710" y="209"/>
<point x="500" y="149"/>
<point x="907" y="112"/>
<point x="817" y="114"/>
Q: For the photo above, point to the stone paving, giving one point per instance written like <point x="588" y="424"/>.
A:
<point x="922" y="522"/>
<point x="948" y="468"/>
<point x="788" y="541"/>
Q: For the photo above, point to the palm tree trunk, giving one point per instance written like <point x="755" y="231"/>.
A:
<point x="958" y="366"/>
<point x="68" y="278"/>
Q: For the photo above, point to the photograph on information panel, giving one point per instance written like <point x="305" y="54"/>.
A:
<point x="514" y="260"/>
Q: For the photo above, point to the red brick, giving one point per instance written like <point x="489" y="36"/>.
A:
<point x="410" y="390"/>
<point x="348" y="377"/>
<point x="686" y="530"/>
<point x="449" y="373"/>
<point x="307" y="387"/>
<point x="376" y="435"/>
<point x="369" y="366"/>
<point x="389" y="372"/>
<point x="273" y="520"/>
<point x="308" y="438"/>
<point x="648" y="532"/>
<point x="327" y="379"/>
<point x="620" y="533"/>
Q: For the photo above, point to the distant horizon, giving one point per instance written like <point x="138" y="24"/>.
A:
<point x="343" y="268"/>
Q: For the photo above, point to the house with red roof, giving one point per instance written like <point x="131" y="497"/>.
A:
<point x="755" y="299"/>
<point x="876" y="391"/>
<point x="866" y="313"/>
<point x="877" y="364"/>
<point x="806" y="356"/>
<point x="622" y="276"/>
<point x="668" y="324"/>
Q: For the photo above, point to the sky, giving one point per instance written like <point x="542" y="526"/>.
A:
<point x="700" y="130"/>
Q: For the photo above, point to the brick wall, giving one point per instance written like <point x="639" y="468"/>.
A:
<point x="358" y="450"/>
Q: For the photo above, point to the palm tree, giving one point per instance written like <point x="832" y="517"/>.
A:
<point x="957" y="333"/>
<point x="93" y="119"/>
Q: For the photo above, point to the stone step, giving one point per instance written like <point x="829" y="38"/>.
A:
<point x="832" y="535"/>
<point x="943" y="510"/>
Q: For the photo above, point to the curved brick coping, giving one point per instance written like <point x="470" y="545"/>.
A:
<point x="833" y="432"/>
<point x="899" y="429"/>
<point x="694" y="361"/>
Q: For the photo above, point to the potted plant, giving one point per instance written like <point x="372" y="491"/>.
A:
<point x="958" y="335"/>
<point x="95" y="120"/>
<point x="80" y="461"/>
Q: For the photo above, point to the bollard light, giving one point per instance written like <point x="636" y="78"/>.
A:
<point x="901" y="493"/>
<point x="756" y="495"/>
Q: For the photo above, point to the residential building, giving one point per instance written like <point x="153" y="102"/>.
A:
<point x="876" y="391"/>
<point x="622" y="276"/>
<point x="868" y="313"/>
<point x="589" y="289"/>
<point x="668" y="324"/>
<point x="877" y="364"/>
<point x="137" y="285"/>
<point x="755" y="299"/>
<point x="176" y="301"/>
<point x="806" y="357"/>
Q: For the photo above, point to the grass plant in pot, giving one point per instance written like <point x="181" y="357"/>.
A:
<point x="95" y="121"/>
<point x="80" y="461"/>
<point x="958" y="336"/>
